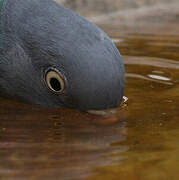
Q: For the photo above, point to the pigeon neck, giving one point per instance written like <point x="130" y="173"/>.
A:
<point x="1" y="7"/>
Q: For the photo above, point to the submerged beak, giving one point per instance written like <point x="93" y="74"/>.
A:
<point x="107" y="112"/>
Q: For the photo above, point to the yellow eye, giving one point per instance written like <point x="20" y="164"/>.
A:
<point x="55" y="82"/>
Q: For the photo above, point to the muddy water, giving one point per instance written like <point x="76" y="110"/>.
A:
<point x="142" y="143"/>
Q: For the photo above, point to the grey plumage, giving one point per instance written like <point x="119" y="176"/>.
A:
<point x="38" y="34"/>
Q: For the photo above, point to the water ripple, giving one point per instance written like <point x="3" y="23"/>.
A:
<point x="157" y="62"/>
<point x="138" y="76"/>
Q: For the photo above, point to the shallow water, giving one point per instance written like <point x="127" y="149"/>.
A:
<point x="142" y="143"/>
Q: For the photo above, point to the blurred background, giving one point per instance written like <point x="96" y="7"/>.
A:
<point x="99" y="7"/>
<point x="141" y="16"/>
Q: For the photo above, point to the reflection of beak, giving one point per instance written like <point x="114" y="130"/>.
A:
<point x="107" y="112"/>
<point x="102" y="112"/>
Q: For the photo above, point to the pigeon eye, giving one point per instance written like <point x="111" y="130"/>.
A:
<point x="55" y="82"/>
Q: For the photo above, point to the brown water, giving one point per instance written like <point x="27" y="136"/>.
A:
<point x="142" y="143"/>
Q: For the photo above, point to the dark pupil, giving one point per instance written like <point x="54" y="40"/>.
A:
<point x="55" y="84"/>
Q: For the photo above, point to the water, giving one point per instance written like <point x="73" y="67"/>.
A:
<point x="141" y="143"/>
